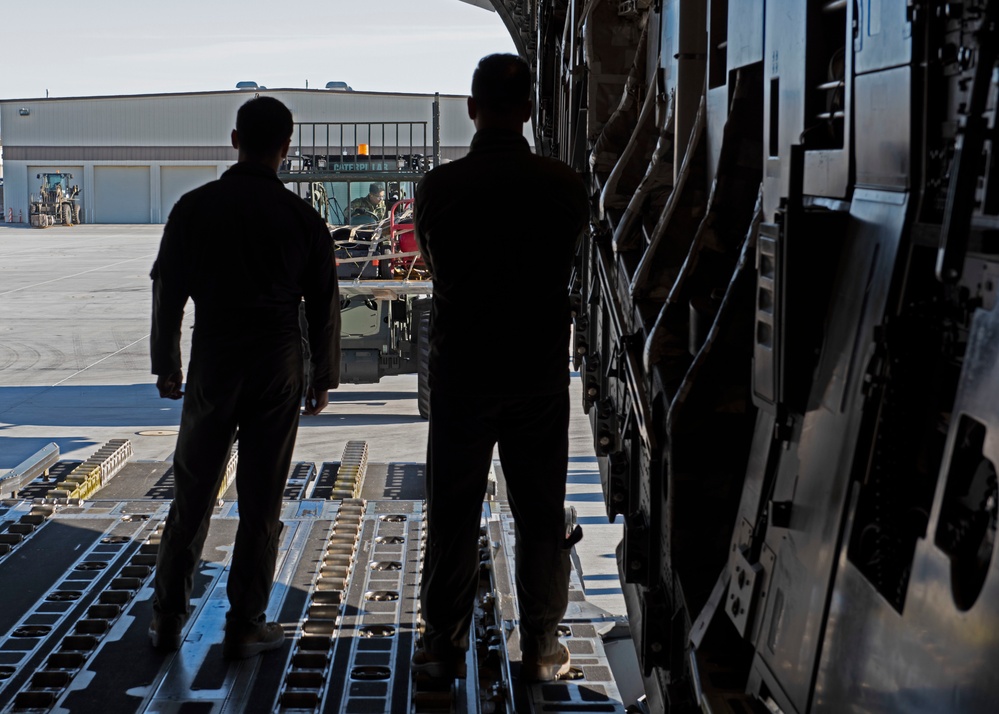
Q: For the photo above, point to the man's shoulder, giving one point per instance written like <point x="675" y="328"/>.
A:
<point x="190" y="201"/>
<point x="207" y="198"/>
<point x="205" y="189"/>
<point x="473" y="162"/>
<point x="304" y="209"/>
<point x="556" y="167"/>
<point x="444" y="170"/>
<point x="443" y="175"/>
<point x="289" y="200"/>
<point x="562" y="179"/>
<point x="459" y="170"/>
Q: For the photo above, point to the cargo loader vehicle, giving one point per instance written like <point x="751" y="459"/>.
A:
<point x="57" y="202"/>
<point x="385" y="287"/>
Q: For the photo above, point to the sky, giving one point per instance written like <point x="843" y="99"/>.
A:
<point x="101" y="47"/>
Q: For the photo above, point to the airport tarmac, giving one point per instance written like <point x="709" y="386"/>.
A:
<point x="74" y="370"/>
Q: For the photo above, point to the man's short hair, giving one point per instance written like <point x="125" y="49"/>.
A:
<point x="501" y="84"/>
<point x="375" y="188"/>
<point x="263" y="125"/>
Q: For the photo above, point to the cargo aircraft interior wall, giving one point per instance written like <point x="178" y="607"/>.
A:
<point x="785" y="322"/>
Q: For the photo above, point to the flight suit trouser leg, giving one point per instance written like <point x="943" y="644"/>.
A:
<point x="206" y="435"/>
<point x="460" y="446"/>
<point x="268" y="424"/>
<point x="534" y="453"/>
<point x="532" y="433"/>
<point x="264" y="404"/>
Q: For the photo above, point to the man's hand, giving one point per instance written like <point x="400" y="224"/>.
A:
<point x="170" y="385"/>
<point x="315" y="401"/>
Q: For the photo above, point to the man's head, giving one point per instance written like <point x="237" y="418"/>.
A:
<point x="376" y="193"/>
<point x="263" y="131"/>
<point x="501" y="93"/>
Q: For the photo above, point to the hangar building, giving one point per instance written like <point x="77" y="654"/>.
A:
<point x="134" y="156"/>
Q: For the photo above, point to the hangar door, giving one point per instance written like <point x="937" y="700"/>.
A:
<point x="175" y="181"/>
<point x="121" y="194"/>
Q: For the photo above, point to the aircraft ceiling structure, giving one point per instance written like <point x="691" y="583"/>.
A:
<point x="520" y="19"/>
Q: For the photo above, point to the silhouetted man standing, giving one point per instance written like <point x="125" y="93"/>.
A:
<point x="499" y="350"/>
<point x="246" y="251"/>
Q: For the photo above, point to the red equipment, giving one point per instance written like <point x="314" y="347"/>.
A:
<point x="403" y="239"/>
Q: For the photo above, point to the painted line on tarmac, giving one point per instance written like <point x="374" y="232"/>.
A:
<point x="75" y="275"/>
<point x="187" y="313"/>
<point x="144" y="337"/>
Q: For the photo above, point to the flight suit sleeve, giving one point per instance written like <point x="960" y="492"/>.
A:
<point x="570" y="201"/>
<point x="322" y="310"/>
<point x="170" y="293"/>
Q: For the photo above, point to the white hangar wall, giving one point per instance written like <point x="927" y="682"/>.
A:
<point x="133" y="156"/>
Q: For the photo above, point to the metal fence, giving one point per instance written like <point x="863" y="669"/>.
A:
<point x="330" y="149"/>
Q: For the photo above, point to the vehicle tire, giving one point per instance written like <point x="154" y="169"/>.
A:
<point x="67" y="215"/>
<point x="423" y="363"/>
<point x="385" y="266"/>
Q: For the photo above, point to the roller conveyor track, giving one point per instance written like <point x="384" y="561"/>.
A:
<point x="73" y="626"/>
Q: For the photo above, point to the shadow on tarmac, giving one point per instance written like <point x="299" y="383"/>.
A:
<point x="124" y="405"/>
<point x="80" y="409"/>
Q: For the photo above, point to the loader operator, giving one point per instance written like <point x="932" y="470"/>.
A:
<point x="498" y="371"/>
<point x="372" y="205"/>
<point x="246" y="250"/>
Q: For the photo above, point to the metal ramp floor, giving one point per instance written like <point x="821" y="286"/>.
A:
<point x="76" y="603"/>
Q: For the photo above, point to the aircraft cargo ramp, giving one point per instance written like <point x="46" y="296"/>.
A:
<point x="77" y="574"/>
<point x="78" y="547"/>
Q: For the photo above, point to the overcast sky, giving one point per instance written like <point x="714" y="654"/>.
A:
<point x="99" y="47"/>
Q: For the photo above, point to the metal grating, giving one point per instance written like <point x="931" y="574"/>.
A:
<point x="87" y="478"/>
<point x="590" y="686"/>
<point x="15" y="532"/>
<point x="301" y="481"/>
<point x="353" y="465"/>
<point x="378" y="621"/>
<point x="308" y="673"/>
<point x="104" y="579"/>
